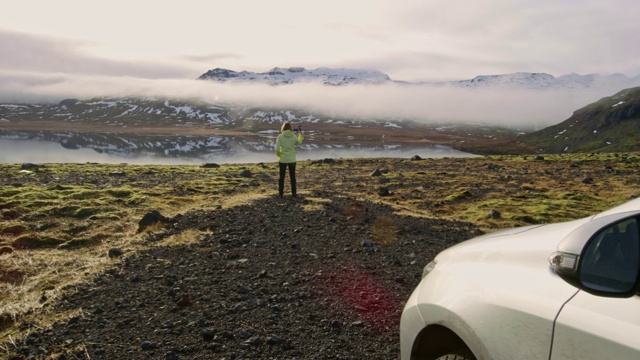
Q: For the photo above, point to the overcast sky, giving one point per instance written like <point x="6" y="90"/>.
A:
<point x="46" y="44"/>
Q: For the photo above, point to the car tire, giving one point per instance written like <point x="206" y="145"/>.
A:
<point x="463" y="355"/>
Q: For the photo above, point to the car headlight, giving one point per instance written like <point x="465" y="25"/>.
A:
<point x="427" y="269"/>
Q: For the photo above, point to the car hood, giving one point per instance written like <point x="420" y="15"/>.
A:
<point x="526" y="244"/>
<point x="529" y="238"/>
<point x="632" y="205"/>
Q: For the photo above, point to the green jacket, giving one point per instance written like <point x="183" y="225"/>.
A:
<point x="285" y="146"/>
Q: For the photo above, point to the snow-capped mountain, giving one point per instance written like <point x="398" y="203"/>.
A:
<point x="121" y="112"/>
<point x="282" y="76"/>
<point x="130" y="127"/>
<point x="129" y="112"/>
<point x="336" y="77"/>
<point x="542" y="81"/>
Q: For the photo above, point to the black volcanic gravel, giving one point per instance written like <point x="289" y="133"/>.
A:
<point x="270" y="281"/>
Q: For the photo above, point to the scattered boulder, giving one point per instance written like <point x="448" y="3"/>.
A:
<point x="10" y="214"/>
<point x="246" y="173"/>
<point x="13" y="230"/>
<point x="115" y="252"/>
<point x="80" y="242"/>
<point x="494" y="214"/>
<point x="324" y="161"/>
<point x="208" y="334"/>
<point x="462" y="195"/>
<point x="276" y="340"/>
<point x="336" y="324"/>
<point x="376" y="172"/>
<point x="252" y="341"/>
<point x="30" y="166"/>
<point x="146" y="346"/>
<point x="34" y="242"/>
<point x="384" y="191"/>
<point x="12" y="276"/>
<point x="587" y="180"/>
<point x="210" y="166"/>
<point x="184" y="300"/>
<point x="167" y="325"/>
<point x="171" y="356"/>
<point x="527" y="219"/>
<point x="6" y="250"/>
<point x="151" y="218"/>
<point x="416" y="157"/>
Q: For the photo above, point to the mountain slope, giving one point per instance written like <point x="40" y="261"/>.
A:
<point x="608" y="125"/>
<point x="192" y="128"/>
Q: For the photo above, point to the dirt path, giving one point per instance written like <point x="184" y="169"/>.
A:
<point x="271" y="281"/>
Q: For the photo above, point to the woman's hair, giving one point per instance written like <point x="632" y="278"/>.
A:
<point x="286" y="126"/>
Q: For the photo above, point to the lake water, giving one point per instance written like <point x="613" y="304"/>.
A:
<point x="31" y="150"/>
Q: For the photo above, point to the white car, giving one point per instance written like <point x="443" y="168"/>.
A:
<point x="558" y="291"/>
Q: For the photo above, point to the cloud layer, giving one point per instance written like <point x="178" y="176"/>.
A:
<point x="511" y="108"/>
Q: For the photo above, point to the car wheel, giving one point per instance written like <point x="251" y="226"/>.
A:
<point x="462" y="355"/>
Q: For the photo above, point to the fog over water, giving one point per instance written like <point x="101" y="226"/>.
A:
<point x="39" y="151"/>
<point x="513" y="108"/>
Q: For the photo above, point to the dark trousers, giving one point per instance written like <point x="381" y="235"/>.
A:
<point x="292" y="175"/>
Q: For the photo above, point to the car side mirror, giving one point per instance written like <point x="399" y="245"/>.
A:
<point x="609" y="264"/>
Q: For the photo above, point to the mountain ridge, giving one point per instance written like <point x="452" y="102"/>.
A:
<point x="281" y="76"/>
<point x="346" y="76"/>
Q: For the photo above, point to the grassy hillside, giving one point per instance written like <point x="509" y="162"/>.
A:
<point x="608" y="125"/>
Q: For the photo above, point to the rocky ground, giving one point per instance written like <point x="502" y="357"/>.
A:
<point x="271" y="281"/>
<point x="321" y="276"/>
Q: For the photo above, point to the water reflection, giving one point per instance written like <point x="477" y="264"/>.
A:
<point x="56" y="147"/>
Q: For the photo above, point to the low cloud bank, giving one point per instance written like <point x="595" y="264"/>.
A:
<point x="527" y="109"/>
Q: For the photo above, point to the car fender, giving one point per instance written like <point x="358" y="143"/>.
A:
<point x="495" y="290"/>
<point x="511" y="320"/>
<point x="413" y="323"/>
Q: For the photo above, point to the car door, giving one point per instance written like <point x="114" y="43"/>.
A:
<point x="602" y="321"/>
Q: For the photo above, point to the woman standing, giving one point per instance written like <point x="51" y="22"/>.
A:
<point x="285" y="149"/>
